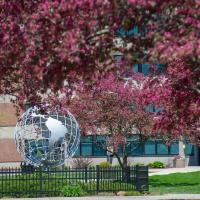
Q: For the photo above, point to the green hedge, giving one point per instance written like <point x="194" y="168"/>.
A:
<point x="157" y="164"/>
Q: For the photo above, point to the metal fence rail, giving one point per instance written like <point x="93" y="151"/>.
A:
<point x="49" y="182"/>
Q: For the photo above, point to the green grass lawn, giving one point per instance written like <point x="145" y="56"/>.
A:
<point x="175" y="183"/>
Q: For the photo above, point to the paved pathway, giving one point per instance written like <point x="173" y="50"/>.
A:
<point x="164" y="197"/>
<point x="153" y="172"/>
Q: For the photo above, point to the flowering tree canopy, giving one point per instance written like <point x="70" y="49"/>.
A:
<point x="177" y="100"/>
<point x="115" y="110"/>
<point x="52" y="45"/>
<point x="43" y="43"/>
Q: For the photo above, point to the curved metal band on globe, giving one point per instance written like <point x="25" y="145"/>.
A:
<point x="48" y="139"/>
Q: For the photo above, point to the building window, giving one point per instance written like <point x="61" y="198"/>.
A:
<point x="121" y="32"/>
<point x="174" y="148"/>
<point x="86" y="149"/>
<point x="150" y="147"/>
<point x="162" y="149"/>
<point x="141" y="68"/>
<point x="189" y="149"/>
<point x="137" y="148"/>
<point x="99" y="150"/>
<point x="95" y="146"/>
<point x="78" y="153"/>
<point x="86" y="144"/>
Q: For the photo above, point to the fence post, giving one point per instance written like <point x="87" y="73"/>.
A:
<point x="40" y="176"/>
<point x="126" y="175"/>
<point x="98" y="177"/>
<point x="141" y="178"/>
<point x="86" y="174"/>
<point x="2" y="176"/>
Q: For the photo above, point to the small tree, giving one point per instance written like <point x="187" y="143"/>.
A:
<point x="115" y="110"/>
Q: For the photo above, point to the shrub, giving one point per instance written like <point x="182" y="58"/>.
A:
<point x="107" y="185"/>
<point x="157" y="164"/>
<point x="104" y="164"/>
<point x="116" y="166"/>
<point x="72" y="191"/>
<point x="81" y="162"/>
<point x="139" y="164"/>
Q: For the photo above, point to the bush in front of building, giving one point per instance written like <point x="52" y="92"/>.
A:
<point x="91" y="187"/>
<point x="73" y="191"/>
<point x="157" y="164"/>
<point x="104" y="164"/>
<point x="81" y="162"/>
<point x="139" y="164"/>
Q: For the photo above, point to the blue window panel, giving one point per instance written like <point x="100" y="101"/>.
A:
<point x="162" y="149"/>
<point x="160" y="67"/>
<point x="174" y="149"/>
<point x="118" y="57"/>
<point x="145" y="69"/>
<point x="120" y="151"/>
<point x="86" y="149"/>
<point x="133" y="31"/>
<point x="128" y="148"/>
<point x="159" y="110"/>
<point x="153" y="109"/>
<point x="128" y="151"/>
<point x="77" y="153"/>
<point x="98" y="149"/>
<point x="133" y="138"/>
<point x="150" y="108"/>
<point x="100" y="138"/>
<point x="86" y="139"/>
<point x="121" y="32"/>
<point x="135" y="68"/>
<point x="189" y="149"/>
<point x="145" y="32"/>
<point x="150" y="147"/>
<point x="137" y="148"/>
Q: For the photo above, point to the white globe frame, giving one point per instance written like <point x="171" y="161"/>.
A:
<point x="28" y="129"/>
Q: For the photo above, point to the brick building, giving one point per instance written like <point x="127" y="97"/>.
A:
<point x="8" y="153"/>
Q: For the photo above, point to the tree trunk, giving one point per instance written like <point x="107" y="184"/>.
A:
<point x="123" y="162"/>
<point x="119" y="160"/>
<point x="125" y="170"/>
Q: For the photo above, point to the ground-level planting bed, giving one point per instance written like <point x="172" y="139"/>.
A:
<point x="175" y="183"/>
<point x="54" y="188"/>
<point x="38" y="185"/>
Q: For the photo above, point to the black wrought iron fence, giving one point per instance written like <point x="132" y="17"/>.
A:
<point x="49" y="182"/>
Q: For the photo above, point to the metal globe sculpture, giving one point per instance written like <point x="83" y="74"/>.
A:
<point x="48" y="139"/>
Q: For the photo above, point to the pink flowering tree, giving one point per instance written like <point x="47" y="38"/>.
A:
<point x="51" y="46"/>
<point x="115" y="110"/>
<point x="177" y="100"/>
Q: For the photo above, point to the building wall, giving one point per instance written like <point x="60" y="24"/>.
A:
<point x="10" y="157"/>
<point x="7" y="132"/>
<point x="167" y="160"/>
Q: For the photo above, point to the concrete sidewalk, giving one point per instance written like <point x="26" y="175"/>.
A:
<point x="166" y="171"/>
<point x="163" y="197"/>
